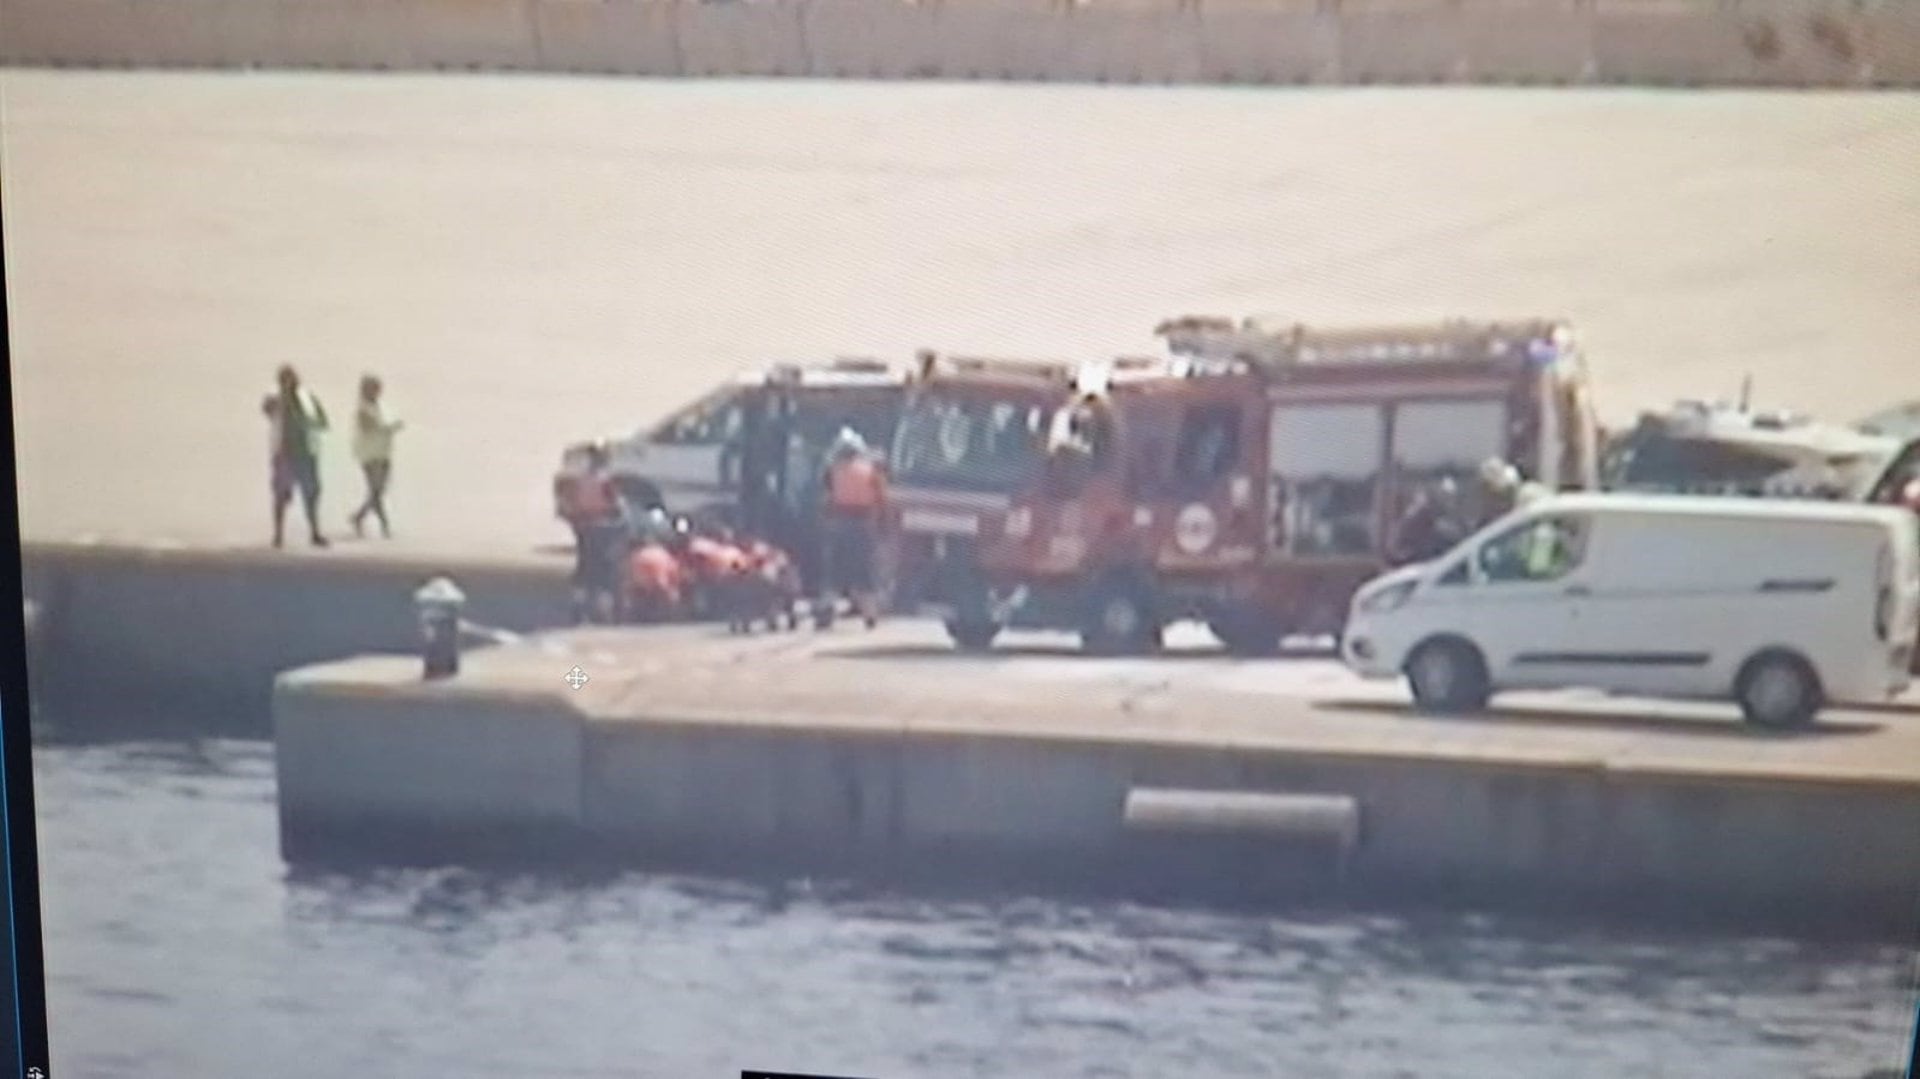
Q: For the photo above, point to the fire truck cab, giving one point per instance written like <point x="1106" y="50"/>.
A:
<point x="970" y="439"/>
<point x="1257" y="481"/>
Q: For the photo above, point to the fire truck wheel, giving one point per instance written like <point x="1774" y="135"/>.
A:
<point x="1120" y="621"/>
<point x="970" y="635"/>
<point x="1448" y="676"/>
<point x="1246" y="633"/>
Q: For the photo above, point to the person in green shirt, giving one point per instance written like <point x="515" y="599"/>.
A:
<point x="296" y="420"/>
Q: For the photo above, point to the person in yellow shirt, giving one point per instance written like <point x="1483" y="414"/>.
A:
<point x="373" y="432"/>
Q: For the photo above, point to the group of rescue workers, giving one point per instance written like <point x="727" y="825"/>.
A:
<point x="637" y="562"/>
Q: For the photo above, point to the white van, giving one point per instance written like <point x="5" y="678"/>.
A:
<point x="1780" y="606"/>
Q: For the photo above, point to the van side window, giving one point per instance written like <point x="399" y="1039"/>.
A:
<point x="1458" y="575"/>
<point x="1544" y="549"/>
<point x="714" y="421"/>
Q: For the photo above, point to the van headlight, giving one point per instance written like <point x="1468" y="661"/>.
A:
<point x="1389" y="599"/>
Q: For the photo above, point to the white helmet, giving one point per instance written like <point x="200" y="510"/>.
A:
<point x="849" y="440"/>
<point x="1499" y="475"/>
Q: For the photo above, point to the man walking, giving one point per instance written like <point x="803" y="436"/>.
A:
<point x="296" y="420"/>
<point x="373" y="432"/>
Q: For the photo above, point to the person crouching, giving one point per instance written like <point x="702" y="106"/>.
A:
<point x="769" y="589"/>
<point x="656" y="580"/>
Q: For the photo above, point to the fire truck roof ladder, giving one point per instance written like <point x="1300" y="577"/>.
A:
<point x="995" y="367"/>
<point x="1220" y="339"/>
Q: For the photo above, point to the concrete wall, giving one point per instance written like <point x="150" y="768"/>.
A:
<point x="1759" y="42"/>
<point x="207" y="631"/>
<point x="498" y="766"/>
<point x="1584" y="837"/>
<point x="422" y="767"/>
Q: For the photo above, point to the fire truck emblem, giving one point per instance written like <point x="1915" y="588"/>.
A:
<point x="1195" y="529"/>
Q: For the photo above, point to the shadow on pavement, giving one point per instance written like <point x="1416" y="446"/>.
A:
<point x="1060" y="651"/>
<point x="1617" y="719"/>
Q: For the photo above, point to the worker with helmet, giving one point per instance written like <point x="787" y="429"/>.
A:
<point x="1505" y="490"/>
<point x="855" y="495"/>
<point x="1433" y="524"/>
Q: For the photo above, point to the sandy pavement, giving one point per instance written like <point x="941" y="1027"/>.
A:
<point x="529" y="260"/>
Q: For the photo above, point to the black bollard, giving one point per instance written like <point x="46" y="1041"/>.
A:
<point x="439" y="604"/>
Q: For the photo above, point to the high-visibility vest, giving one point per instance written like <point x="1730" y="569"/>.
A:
<point x="855" y="483"/>
<point x="654" y="567"/>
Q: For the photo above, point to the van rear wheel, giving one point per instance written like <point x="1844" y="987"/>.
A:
<point x="1448" y="677"/>
<point x="1778" y="691"/>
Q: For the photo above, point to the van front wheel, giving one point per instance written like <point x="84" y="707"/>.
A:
<point x="1778" y="691"/>
<point x="1448" y="676"/>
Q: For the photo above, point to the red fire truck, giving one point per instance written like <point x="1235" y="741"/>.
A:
<point x="1257" y="486"/>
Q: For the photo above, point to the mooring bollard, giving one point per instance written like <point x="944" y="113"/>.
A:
<point x="439" y="604"/>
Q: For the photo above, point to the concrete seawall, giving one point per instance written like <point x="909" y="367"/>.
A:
<point x="690" y="749"/>
<point x="888" y="752"/>
<point x="204" y="631"/>
<point x="1758" y="43"/>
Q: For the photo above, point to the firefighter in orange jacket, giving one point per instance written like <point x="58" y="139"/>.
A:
<point x="855" y="493"/>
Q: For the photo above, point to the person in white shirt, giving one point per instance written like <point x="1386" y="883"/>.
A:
<point x="373" y="432"/>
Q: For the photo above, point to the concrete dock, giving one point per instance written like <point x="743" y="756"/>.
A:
<point x="199" y="631"/>
<point x="857" y="751"/>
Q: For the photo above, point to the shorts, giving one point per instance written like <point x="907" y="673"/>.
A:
<point x="295" y="473"/>
<point x="850" y="550"/>
<point x="598" y="560"/>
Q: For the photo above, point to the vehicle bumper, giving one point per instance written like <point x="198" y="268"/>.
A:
<point x="1366" y="655"/>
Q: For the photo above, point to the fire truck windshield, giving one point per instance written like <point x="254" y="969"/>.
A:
<point x="974" y="445"/>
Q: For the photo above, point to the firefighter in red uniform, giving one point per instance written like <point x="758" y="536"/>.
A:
<point x="856" y="503"/>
